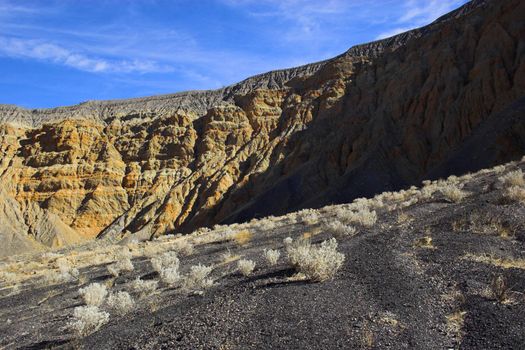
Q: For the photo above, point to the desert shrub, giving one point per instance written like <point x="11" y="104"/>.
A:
<point x="362" y="216"/>
<point x="452" y="179"/>
<point x="94" y="294"/>
<point x="267" y="223"/>
<point x="121" y="301"/>
<point x="343" y="214"/>
<point x="499" y="169"/>
<point x="453" y="193"/>
<point x="242" y="237"/>
<point x="113" y="270"/>
<point x="408" y="203"/>
<point x="516" y="194"/>
<point x="8" y="277"/>
<point x="66" y="272"/>
<point x="339" y="229"/>
<point x="156" y="263"/>
<point x="197" y="278"/>
<point x="167" y="265"/>
<point x="298" y="251"/>
<point x="271" y="256"/>
<point x="429" y="188"/>
<point x="513" y="178"/>
<point x="308" y="216"/>
<point x="88" y="319"/>
<point x="245" y="267"/>
<point x="183" y="247"/>
<point x="144" y="287"/>
<point x="287" y="241"/>
<point x="366" y="217"/>
<point x="154" y="249"/>
<point x="317" y="263"/>
<point x="202" y="230"/>
<point x="455" y="322"/>
<point x="165" y="260"/>
<point x="170" y="275"/>
<point x="122" y="264"/>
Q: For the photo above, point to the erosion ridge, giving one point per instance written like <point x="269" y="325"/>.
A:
<point x="443" y="99"/>
<point x="194" y="102"/>
<point x="198" y="102"/>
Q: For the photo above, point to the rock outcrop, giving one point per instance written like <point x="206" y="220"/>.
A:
<point x="446" y="98"/>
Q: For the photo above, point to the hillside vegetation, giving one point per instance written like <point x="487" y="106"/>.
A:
<point x="441" y="266"/>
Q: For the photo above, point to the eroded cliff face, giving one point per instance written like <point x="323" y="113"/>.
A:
<point x="447" y="98"/>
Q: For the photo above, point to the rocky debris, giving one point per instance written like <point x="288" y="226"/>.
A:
<point x="444" y="99"/>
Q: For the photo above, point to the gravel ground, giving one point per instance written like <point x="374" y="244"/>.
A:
<point x="391" y="293"/>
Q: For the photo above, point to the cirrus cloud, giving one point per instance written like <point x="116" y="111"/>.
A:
<point x="45" y="51"/>
<point x="419" y="13"/>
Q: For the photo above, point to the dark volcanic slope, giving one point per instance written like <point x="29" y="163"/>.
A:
<point x="439" y="100"/>
<point x="394" y="291"/>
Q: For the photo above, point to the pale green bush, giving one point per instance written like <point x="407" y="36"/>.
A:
<point x="317" y="263"/>
<point x="121" y="301"/>
<point x="271" y="256"/>
<point x="94" y="294"/>
<point x="245" y="267"/>
<point x="88" y="319"/>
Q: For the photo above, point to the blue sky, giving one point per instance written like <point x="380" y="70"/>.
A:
<point x="62" y="52"/>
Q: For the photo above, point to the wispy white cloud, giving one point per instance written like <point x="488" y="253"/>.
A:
<point x="418" y="13"/>
<point x="119" y="42"/>
<point x="45" y="51"/>
<point x="423" y="12"/>
<point x="117" y="46"/>
<point x="306" y="19"/>
<point x="7" y="9"/>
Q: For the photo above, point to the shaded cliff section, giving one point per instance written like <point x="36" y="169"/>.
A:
<point x="444" y="99"/>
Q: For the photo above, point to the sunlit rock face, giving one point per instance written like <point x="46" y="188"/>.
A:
<point x="444" y="99"/>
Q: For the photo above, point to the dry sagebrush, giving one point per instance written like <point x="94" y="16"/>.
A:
<point x="271" y="256"/>
<point x="453" y="193"/>
<point x="245" y="267"/>
<point x="122" y="302"/>
<point x="198" y="277"/>
<point x="94" y="294"/>
<point x="361" y="215"/>
<point x="339" y="229"/>
<point x="66" y="272"/>
<point x="515" y="194"/>
<point x="317" y="263"/>
<point x="88" y="319"/>
<point x="514" y="184"/>
<point x="123" y="263"/>
<point x="144" y="287"/>
<point x="167" y="265"/>
<point x="512" y="178"/>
